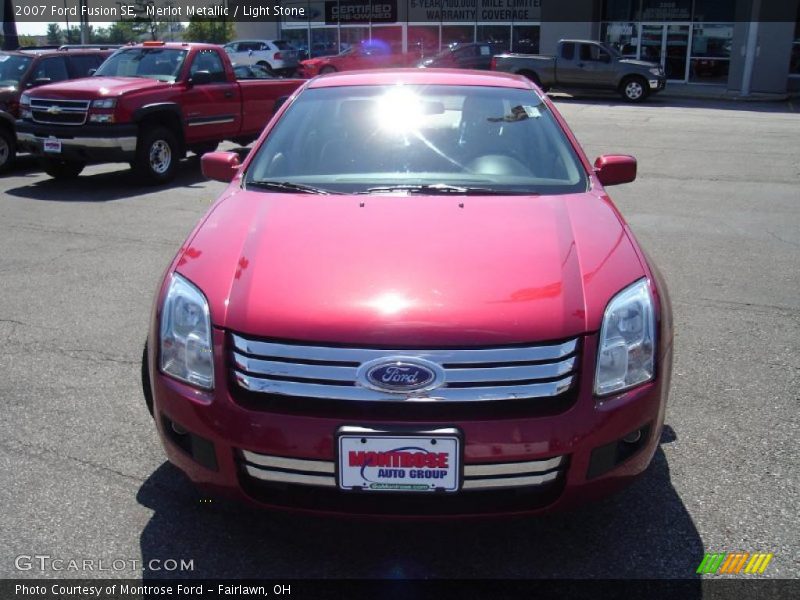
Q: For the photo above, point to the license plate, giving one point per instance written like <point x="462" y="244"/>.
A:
<point x="376" y="461"/>
<point x="52" y="145"/>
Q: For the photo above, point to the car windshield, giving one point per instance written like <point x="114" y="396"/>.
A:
<point x="163" y="64"/>
<point x="354" y="139"/>
<point x="12" y="68"/>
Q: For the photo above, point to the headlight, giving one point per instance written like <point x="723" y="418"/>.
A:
<point x="185" y="335"/>
<point x="105" y="103"/>
<point x="625" y="355"/>
<point x="25" y="99"/>
<point x="656" y="70"/>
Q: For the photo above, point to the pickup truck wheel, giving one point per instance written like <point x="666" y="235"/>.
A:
<point x="157" y="155"/>
<point x="534" y="78"/>
<point x="8" y="149"/>
<point x="62" y="169"/>
<point x="634" y="89"/>
<point x="326" y="70"/>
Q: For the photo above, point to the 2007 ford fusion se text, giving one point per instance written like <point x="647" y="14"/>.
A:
<point x="413" y="299"/>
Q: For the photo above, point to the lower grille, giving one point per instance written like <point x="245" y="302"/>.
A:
<point x="310" y="485"/>
<point x="279" y="469"/>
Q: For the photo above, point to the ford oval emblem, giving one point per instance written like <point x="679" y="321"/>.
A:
<point x="400" y="374"/>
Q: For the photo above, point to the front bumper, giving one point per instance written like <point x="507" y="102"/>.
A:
<point x="568" y="455"/>
<point x="86" y="143"/>
<point x="657" y="84"/>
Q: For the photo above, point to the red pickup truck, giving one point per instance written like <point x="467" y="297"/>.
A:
<point x="148" y="104"/>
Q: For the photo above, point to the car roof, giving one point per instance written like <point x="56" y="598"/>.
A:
<point x="57" y="52"/>
<point x="422" y="77"/>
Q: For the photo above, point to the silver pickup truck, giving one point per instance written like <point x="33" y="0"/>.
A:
<point x="584" y="64"/>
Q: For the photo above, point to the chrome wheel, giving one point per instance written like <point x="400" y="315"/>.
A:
<point x="160" y="157"/>
<point x="634" y="90"/>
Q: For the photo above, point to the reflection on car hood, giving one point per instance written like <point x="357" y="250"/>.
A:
<point x="98" y="87"/>
<point x="419" y="270"/>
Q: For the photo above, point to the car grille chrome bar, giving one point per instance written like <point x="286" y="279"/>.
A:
<point x="470" y="375"/>
<point x="279" y="469"/>
<point x="59" y="112"/>
<point x="543" y="352"/>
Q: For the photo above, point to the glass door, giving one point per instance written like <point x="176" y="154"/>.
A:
<point x="667" y="45"/>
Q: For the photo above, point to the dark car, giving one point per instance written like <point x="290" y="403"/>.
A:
<point x="24" y="69"/>
<point x="462" y="56"/>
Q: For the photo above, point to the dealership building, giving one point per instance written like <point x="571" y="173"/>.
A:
<point x="739" y="45"/>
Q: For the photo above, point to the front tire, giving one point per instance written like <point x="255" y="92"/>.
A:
<point x="62" y="169"/>
<point x="157" y="155"/>
<point x="534" y="78"/>
<point x="147" y="389"/>
<point x="634" y="89"/>
<point x="8" y="149"/>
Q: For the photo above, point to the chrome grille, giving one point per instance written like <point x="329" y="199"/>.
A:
<point x="277" y="469"/>
<point x="59" y="112"/>
<point x="471" y="375"/>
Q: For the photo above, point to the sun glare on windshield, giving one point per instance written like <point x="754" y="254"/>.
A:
<point x="399" y="111"/>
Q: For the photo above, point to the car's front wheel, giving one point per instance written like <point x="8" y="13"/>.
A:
<point x="634" y="89"/>
<point x="8" y="149"/>
<point x="62" y="169"/>
<point x="157" y="155"/>
<point x="147" y="389"/>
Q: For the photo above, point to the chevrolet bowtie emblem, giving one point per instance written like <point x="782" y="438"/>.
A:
<point x="53" y="110"/>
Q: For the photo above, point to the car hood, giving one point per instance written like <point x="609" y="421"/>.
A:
<point x="95" y="87"/>
<point x="639" y="63"/>
<point x="420" y="270"/>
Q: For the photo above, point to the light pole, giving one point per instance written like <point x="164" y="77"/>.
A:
<point x="84" y="21"/>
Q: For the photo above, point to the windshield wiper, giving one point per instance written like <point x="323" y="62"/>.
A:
<point x="286" y="186"/>
<point x="443" y="188"/>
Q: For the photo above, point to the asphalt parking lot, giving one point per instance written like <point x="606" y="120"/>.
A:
<point x="83" y="475"/>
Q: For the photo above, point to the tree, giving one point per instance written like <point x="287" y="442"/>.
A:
<point x="144" y="24"/>
<point x="214" y="32"/>
<point x="122" y="32"/>
<point x="55" y="37"/>
<point x="27" y="40"/>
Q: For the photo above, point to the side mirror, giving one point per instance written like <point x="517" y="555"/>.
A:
<point x="613" y="169"/>
<point x="220" y="166"/>
<point x="91" y="72"/>
<point x="200" y="78"/>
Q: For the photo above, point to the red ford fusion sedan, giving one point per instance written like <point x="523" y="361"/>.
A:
<point x="413" y="299"/>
